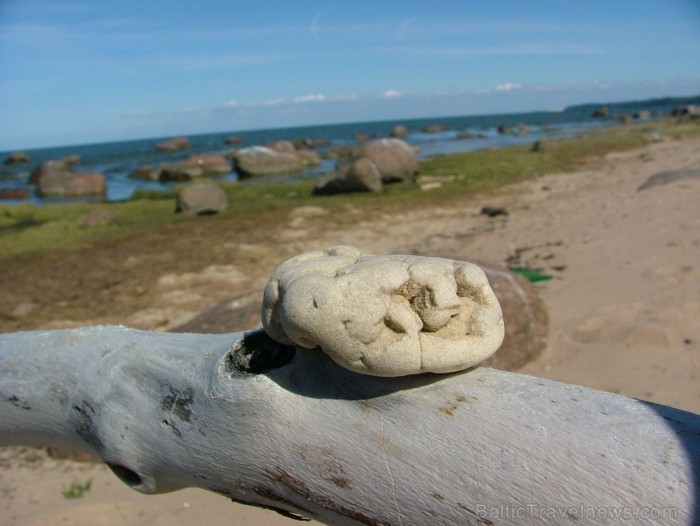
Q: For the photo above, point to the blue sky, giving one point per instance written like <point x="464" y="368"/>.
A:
<point x="81" y="71"/>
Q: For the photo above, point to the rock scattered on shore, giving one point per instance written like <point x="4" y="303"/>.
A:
<point x="57" y="179"/>
<point x="305" y="155"/>
<point x="671" y="177"/>
<point x="361" y="176"/>
<point x="17" y="158"/>
<point x="399" y="132"/>
<point x="510" y="129"/>
<point x="370" y="166"/>
<point x="494" y="211"/>
<point x="201" y="165"/>
<point x="281" y="157"/>
<point x="692" y="111"/>
<point x="261" y="160"/>
<point x="525" y="317"/>
<point x="309" y="144"/>
<point x="71" y="159"/>
<point x="435" y="128"/>
<point x="394" y="158"/>
<point x="173" y="145"/>
<point x="146" y="172"/>
<point x="13" y="193"/>
<point x="99" y="216"/>
<point x="202" y="199"/>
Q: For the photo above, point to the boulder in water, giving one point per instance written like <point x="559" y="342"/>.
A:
<point x="56" y="178"/>
<point x="173" y="145"/>
<point x="261" y="160"/>
<point x="17" y="158"/>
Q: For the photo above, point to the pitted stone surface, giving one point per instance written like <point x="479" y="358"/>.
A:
<point x="384" y="315"/>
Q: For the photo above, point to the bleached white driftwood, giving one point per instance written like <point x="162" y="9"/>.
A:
<point x="301" y="434"/>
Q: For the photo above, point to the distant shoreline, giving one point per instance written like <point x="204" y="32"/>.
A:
<point x="434" y="136"/>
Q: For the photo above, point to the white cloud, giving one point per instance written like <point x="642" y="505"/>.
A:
<point x="392" y="94"/>
<point x="508" y="86"/>
<point x="316" y="97"/>
<point x="311" y="98"/>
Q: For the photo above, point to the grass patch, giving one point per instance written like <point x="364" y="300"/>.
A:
<point x="28" y="229"/>
<point x="76" y="490"/>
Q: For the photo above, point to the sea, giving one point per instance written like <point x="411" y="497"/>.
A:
<point x="116" y="160"/>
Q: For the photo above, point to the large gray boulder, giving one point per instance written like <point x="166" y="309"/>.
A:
<point x="308" y="157"/>
<point x="57" y="179"/>
<point x="202" y="165"/>
<point x="211" y="164"/>
<point x="283" y="146"/>
<point x="261" y="160"/>
<point x="181" y="171"/>
<point x="202" y="199"/>
<point x="395" y="159"/>
<point x="48" y="168"/>
<point x="361" y="176"/>
<point x="146" y="173"/>
<point x="525" y="316"/>
<point x="71" y="184"/>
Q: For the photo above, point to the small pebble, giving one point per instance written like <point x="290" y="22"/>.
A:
<point x="493" y="211"/>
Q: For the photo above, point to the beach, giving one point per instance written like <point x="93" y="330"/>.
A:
<point x="623" y="301"/>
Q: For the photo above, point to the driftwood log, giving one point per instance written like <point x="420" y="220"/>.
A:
<point x="289" y="429"/>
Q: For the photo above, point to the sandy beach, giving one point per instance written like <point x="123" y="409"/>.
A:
<point x="624" y="306"/>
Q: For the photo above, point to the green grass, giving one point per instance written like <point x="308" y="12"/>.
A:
<point x="76" y="490"/>
<point x="26" y="228"/>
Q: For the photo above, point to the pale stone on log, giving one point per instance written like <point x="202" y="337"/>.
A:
<point x="384" y="315"/>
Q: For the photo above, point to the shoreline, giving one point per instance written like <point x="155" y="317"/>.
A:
<point x="31" y="228"/>
<point x="434" y="135"/>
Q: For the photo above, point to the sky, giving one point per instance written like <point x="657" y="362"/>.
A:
<point x="85" y="71"/>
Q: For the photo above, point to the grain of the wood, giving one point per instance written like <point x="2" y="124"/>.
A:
<point x="299" y="433"/>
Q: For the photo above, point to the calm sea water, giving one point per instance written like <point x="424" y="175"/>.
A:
<point x="116" y="160"/>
